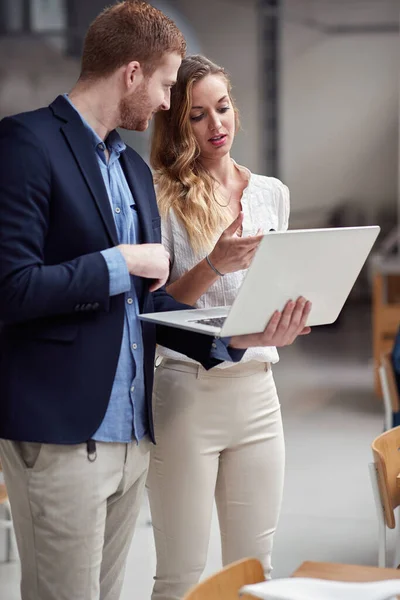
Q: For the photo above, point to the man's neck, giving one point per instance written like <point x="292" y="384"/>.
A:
<point x="97" y="106"/>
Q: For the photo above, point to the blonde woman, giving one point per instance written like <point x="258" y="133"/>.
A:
<point x="219" y="432"/>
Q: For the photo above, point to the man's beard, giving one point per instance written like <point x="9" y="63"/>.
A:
<point x="136" y="111"/>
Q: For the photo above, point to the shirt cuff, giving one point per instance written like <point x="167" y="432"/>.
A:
<point x="221" y="351"/>
<point x="120" y="280"/>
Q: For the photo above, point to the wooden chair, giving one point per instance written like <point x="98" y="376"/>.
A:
<point x="390" y="392"/>
<point x="385" y="479"/>
<point x="6" y="523"/>
<point x="225" y="584"/>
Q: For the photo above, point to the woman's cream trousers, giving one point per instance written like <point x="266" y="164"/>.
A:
<point x="219" y="434"/>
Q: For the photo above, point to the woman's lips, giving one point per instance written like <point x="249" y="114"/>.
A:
<point x="218" y="140"/>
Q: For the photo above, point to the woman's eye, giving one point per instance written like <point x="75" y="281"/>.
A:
<point x="221" y="110"/>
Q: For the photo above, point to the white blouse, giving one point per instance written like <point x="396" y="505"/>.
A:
<point x="265" y="204"/>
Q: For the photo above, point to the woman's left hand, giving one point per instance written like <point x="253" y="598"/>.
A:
<point x="282" y="329"/>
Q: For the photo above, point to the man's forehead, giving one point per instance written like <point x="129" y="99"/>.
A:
<point x="170" y="64"/>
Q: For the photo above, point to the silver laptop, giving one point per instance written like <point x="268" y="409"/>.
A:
<point x="320" y="264"/>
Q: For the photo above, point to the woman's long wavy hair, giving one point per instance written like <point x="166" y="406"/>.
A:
<point x="183" y="183"/>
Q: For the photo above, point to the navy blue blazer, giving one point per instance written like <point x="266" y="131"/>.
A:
<point x="61" y="334"/>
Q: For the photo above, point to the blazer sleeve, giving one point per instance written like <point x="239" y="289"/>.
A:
<point x="198" y="346"/>
<point x="29" y="288"/>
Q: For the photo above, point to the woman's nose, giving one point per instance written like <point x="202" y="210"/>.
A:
<point x="215" y="123"/>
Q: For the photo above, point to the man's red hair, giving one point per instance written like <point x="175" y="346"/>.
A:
<point x="127" y="31"/>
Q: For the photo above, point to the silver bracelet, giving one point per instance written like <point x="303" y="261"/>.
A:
<point x="213" y="268"/>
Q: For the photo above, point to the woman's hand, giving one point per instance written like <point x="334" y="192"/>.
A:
<point x="282" y="329"/>
<point x="232" y="252"/>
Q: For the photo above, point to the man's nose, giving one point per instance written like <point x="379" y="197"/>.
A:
<point x="166" y="105"/>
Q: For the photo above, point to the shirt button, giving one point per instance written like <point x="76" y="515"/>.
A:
<point x="214" y="345"/>
<point x="130" y="301"/>
<point x="101" y="146"/>
<point x="134" y="346"/>
<point x="117" y="210"/>
<point x="133" y="388"/>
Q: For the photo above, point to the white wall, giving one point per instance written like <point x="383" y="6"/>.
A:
<point x="228" y="34"/>
<point x="339" y="108"/>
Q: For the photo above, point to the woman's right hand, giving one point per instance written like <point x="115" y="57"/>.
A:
<point x="232" y="252"/>
<point x="282" y="329"/>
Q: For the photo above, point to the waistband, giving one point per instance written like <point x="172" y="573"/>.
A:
<point x="242" y="369"/>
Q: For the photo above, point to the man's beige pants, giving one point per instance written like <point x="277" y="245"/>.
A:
<point x="73" y="518"/>
<point x="219" y="433"/>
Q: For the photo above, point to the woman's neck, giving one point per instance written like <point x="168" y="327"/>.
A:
<point x="222" y="170"/>
<point x="230" y="181"/>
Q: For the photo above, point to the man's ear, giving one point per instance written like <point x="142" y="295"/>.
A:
<point x="133" y="74"/>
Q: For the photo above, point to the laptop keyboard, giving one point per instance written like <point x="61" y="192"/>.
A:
<point x="214" y="321"/>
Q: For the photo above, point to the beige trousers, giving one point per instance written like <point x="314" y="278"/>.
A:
<point x="73" y="518"/>
<point x="219" y="433"/>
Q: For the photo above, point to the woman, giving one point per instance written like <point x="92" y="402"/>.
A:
<point x="219" y="433"/>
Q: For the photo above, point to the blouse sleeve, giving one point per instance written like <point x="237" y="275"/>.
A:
<point x="283" y="198"/>
<point x="167" y="237"/>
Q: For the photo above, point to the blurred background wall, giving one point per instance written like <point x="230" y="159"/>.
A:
<point x="339" y="105"/>
<point x="317" y="83"/>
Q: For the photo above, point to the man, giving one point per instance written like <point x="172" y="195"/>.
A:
<point x="80" y="258"/>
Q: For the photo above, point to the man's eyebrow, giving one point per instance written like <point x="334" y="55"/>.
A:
<point x="220" y="100"/>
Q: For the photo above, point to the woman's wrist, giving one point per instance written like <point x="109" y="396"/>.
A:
<point x="212" y="266"/>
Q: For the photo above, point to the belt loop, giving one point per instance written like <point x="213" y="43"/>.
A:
<point x="198" y="374"/>
<point x="91" y="450"/>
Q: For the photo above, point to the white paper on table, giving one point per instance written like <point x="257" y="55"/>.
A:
<point x="306" y="588"/>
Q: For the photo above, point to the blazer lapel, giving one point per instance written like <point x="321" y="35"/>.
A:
<point x="141" y="200"/>
<point x="82" y="149"/>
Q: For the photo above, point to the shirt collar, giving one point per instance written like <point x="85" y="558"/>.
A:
<point x="113" y="141"/>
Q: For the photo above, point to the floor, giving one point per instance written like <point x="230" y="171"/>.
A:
<point x="330" y="417"/>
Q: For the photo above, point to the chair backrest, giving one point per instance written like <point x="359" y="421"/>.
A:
<point x="387" y="364"/>
<point x="225" y="584"/>
<point x="386" y="452"/>
<point x="3" y="491"/>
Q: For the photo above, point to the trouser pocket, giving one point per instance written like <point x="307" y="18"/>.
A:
<point x="29" y="453"/>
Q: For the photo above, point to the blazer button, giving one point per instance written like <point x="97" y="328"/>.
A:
<point x="77" y="308"/>
<point x="87" y="306"/>
<point x="95" y="305"/>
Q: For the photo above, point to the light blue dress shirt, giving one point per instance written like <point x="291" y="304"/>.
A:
<point x="126" y="416"/>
